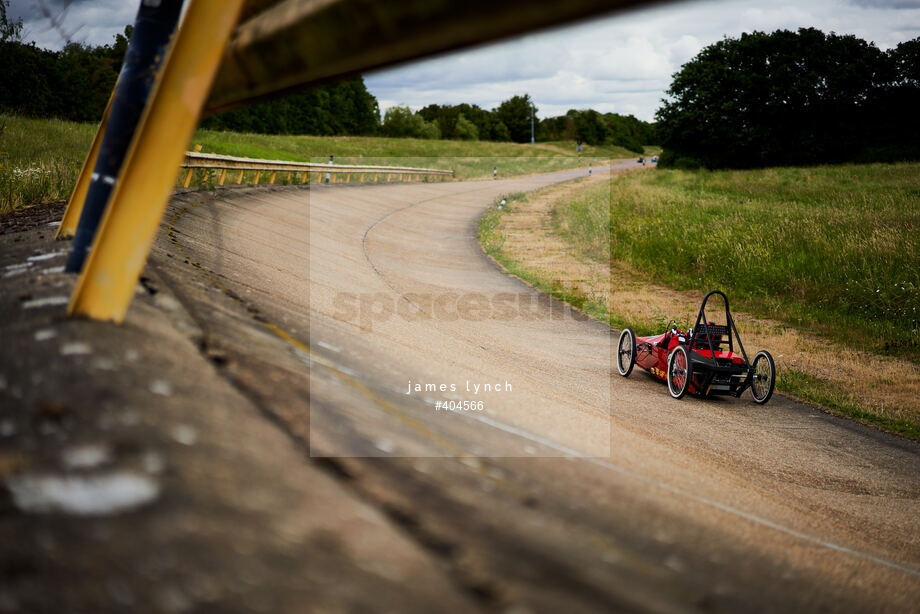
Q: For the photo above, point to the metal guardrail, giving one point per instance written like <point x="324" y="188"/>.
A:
<point x="196" y="160"/>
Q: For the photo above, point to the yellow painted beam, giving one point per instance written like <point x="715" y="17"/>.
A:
<point x="188" y="175"/>
<point x="286" y="44"/>
<point x="106" y="285"/>
<point x="75" y="205"/>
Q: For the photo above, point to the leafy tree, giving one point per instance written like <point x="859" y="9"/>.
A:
<point x="465" y="129"/>
<point x="400" y="121"/>
<point x="514" y="113"/>
<point x="783" y="98"/>
<point x="445" y="116"/>
<point x="589" y="126"/>
<point x="499" y="132"/>
<point x="9" y="30"/>
<point x="484" y="121"/>
<point x="343" y="108"/>
<point x="895" y="110"/>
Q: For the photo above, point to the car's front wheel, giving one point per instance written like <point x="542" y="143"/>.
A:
<point x="764" y="377"/>
<point x="626" y="352"/>
<point x="679" y="372"/>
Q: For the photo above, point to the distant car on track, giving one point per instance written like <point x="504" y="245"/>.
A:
<point x="701" y="361"/>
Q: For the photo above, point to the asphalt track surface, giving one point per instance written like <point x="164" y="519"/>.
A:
<point x="639" y="501"/>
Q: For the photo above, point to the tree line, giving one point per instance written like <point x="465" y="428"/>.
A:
<point x="793" y="98"/>
<point x="75" y="84"/>
<point x="72" y="84"/>
<point x="511" y="121"/>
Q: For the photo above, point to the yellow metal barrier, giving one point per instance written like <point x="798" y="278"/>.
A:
<point x="188" y="175"/>
<point x="194" y="159"/>
<point x="123" y="242"/>
<point x="75" y="204"/>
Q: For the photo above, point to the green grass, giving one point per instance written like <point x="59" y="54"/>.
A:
<point x="821" y="392"/>
<point x="492" y="241"/>
<point x="41" y="159"/>
<point x="833" y="249"/>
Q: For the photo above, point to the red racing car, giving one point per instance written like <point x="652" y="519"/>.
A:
<point x="701" y="361"/>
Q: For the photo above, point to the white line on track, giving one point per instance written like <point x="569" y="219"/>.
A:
<point x="689" y="495"/>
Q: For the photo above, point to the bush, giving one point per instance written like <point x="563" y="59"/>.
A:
<point x="466" y="130"/>
<point x="668" y="159"/>
<point x="792" y="98"/>
<point x="400" y="121"/>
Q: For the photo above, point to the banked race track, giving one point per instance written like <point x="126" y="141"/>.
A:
<point x="487" y="425"/>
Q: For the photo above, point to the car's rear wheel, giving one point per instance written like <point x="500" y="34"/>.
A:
<point x="626" y="352"/>
<point x="764" y="378"/>
<point x="679" y="372"/>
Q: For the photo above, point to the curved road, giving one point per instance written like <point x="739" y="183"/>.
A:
<point x="571" y="488"/>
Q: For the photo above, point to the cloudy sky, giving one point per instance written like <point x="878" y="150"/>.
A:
<point x="622" y="63"/>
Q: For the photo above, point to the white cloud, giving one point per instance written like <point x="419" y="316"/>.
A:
<point x="624" y="63"/>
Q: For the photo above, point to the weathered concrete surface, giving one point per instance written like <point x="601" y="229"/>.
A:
<point x="312" y="482"/>
<point x="136" y="477"/>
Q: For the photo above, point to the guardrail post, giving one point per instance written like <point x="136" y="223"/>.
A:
<point x="239" y="178"/>
<point x="153" y="27"/>
<point x="114" y="265"/>
<point x="271" y="179"/>
<point x="223" y="175"/>
<point x="258" y="174"/>
<point x="78" y="197"/>
<point x="188" y="175"/>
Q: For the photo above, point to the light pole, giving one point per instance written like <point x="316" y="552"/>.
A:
<point x="532" y="139"/>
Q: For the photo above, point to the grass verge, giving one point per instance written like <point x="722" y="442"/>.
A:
<point x="40" y="159"/>
<point x="838" y="374"/>
<point x="834" y="249"/>
<point x="819" y="391"/>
